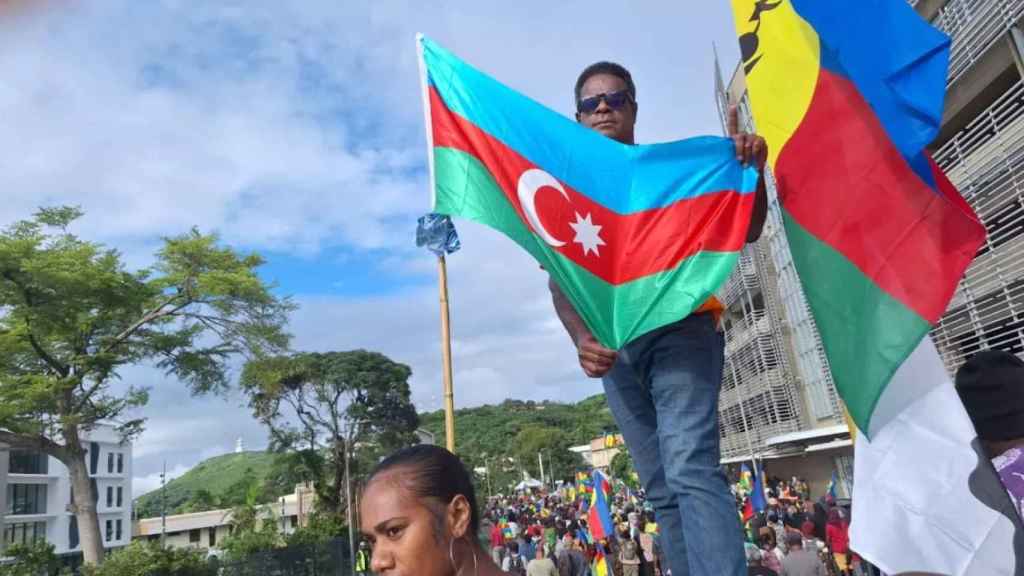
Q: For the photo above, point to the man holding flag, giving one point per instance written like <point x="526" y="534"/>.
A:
<point x="672" y="374"/>
<point x="637" y="239"/>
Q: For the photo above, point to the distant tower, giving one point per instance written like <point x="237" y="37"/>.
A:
<point x="239" y="445"/>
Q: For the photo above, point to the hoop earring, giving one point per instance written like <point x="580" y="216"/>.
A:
<point x="476" y="567"/>
<point x="451" y="557"/>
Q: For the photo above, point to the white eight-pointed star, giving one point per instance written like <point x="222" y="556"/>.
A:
<point x="587" y="234"/>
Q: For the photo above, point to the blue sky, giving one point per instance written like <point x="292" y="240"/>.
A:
<point x="295" y="130"/>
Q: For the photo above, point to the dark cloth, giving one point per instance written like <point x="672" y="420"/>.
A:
<point x="565" y="565"/>
<point x="760" y="571"/>
<point x="580" y="565"/>
<point x="796" y="521"/>
<point x="820" y="520"/>
<point x="991" y="386"/>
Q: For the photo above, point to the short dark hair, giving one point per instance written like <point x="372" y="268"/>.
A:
<point x="435" y="473"/>
<point x="605" y="67"/>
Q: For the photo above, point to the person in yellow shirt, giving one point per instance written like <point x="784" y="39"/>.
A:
<point x="363" y="559"/>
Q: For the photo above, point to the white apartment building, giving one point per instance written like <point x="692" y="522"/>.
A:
<point x="36" y="493"/>
<point x="208" y="530"/>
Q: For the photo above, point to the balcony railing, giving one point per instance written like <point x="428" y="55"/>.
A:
<point x="974" y="26"/>
<point x="985" y="161"/>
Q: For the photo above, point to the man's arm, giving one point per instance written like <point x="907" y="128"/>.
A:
<point x="760" y="213"/>
<point x="751" y="149"/>
<point x="571" y="319"/>
<point x="595" y="359"/>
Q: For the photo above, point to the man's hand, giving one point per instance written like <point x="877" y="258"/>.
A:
<point x="751" y="149"/>
<point x="595" y="359"/>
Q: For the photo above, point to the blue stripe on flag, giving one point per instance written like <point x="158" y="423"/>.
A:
<point x="623" y="178"/>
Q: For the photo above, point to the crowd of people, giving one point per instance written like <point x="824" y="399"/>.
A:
<point x="543" y="533"/>
<point x="547" y="533"/>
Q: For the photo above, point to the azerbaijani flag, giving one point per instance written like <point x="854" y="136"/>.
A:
<point x="637" y="237"/>
<point x="831" y="491"/>
<point x="847" y="98"/>
<point x="599" y="518"/>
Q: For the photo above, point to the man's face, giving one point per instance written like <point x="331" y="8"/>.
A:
<point x="615" y="124"/>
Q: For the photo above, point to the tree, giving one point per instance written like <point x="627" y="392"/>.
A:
<point x="550" y="442"/>
<point x="253" y="528"/>
<point x="35" y="559"/>
<point x="621" y="468"/>
<point x="341" y="400"/>
<point x="71" y="316"/>
<point x="201" y="501"/>
<point x="148" y="559"/>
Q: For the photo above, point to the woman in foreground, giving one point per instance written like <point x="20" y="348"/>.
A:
<point x="419" y="514"/>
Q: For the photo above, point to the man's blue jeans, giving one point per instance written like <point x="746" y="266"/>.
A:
<point x="663" y="392"/>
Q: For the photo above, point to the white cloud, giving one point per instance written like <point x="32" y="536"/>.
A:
<point x="150" y="482"/>
<point x="297" y="126"/>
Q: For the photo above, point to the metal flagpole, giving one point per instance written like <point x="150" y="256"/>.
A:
<point x="446" y="358"/>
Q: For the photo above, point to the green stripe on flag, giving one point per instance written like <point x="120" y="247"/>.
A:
<point x="867" y="334"/>
<point x="465" y="188"/>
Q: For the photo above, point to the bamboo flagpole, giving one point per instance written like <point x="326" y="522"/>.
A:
<point x="446" y="358"/>
<point x="437" y="233"/>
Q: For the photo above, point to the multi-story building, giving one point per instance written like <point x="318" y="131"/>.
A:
<point x="778" y="401"/>
<point x="981" y="149"/>
<point x="36" y="491"/>
<point x="600" y="451"/>
<point x="208" y="530"/>
<point x="778" y="404"/>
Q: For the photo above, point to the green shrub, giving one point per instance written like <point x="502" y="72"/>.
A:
<point x="148" y="559"/>
<point x="36" y="559"/>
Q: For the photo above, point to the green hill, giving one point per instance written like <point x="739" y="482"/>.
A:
<point x="216" y="476"/>
<point x="505" y="437"/>
<point x="512" y="430"/>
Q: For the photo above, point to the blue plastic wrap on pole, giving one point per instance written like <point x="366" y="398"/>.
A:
<point x="437" y="233"/>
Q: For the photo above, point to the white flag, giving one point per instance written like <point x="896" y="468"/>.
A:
<point x="925" y="497"/>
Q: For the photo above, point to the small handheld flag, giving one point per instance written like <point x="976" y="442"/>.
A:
<point x="757" y="499"/>
<point x="600" y="516"/>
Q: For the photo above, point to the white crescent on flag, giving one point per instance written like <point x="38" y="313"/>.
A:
<point x="529" y="183"/>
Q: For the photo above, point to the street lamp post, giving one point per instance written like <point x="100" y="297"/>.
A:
<point x="284" y="527"/>
<point x="163" y="507"/>
<point x="490" y="487"/>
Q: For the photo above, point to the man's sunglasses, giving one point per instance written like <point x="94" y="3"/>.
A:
<point x="614" y="100"/>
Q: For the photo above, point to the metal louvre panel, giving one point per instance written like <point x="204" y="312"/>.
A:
<point x="985" y="161"/>
<point x="812" y="366"/>
<point x="756" y="401"/>
<point x="974" y="26"/>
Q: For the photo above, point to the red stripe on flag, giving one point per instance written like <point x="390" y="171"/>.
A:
<point x="844" y="181"/>
<point x="635" y="245"/>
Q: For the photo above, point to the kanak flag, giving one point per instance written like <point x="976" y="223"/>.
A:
<point x="637" y="237"/>
<point x="848" y="95"/>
